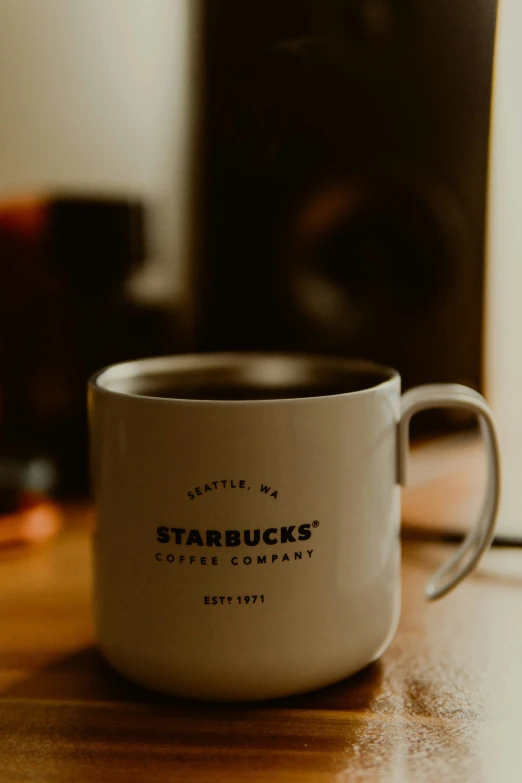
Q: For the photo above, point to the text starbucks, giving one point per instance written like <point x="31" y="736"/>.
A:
<point x="232" y="538"/>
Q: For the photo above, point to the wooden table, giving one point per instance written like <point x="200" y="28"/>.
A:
<point x="443" y="704"/>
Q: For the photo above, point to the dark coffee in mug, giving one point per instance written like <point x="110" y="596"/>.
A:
<point x="211" y="392"/>
<point x="232" y="384"/>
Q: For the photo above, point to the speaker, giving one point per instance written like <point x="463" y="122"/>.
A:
<point x="341" y="162"/>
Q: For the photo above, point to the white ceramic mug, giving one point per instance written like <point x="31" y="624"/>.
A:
<point x="249" y="548"/>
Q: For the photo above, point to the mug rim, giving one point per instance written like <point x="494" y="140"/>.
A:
<point x="171" y="363"/>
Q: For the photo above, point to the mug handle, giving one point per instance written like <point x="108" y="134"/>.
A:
<point x="479" y="538"/>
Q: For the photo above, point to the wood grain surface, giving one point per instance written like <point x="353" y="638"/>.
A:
<point x="443" y="704"/>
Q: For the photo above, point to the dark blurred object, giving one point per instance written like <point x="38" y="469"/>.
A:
<point x="343" y="162"/>
<point x="64" y="314"/>
<point x="95" y="243"/>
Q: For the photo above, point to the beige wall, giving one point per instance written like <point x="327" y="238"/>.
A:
<point x="93" y="95"/>
<point x="504" y="287"/>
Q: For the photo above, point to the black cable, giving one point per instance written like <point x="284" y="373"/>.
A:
<point x="428" y="535"/>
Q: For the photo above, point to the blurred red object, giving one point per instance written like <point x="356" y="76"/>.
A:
<point x="28" y="518"/>
<point x="33" y="337"/>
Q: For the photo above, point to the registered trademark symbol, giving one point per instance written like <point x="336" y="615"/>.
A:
<point x="315" y="523"/>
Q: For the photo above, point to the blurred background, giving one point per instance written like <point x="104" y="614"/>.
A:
<point x="341" y="176"/>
